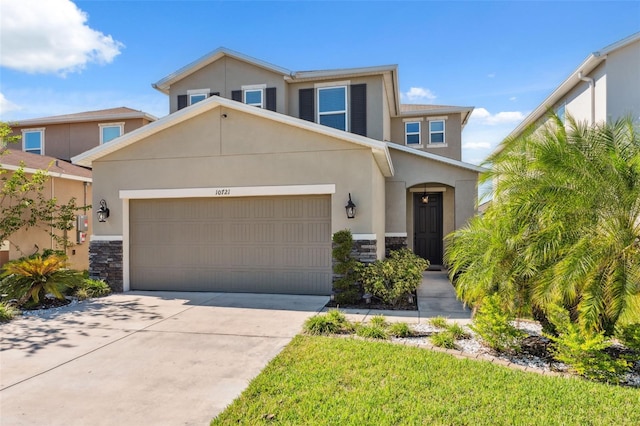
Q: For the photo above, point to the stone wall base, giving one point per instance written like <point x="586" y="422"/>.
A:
<point x="105" y="263"/>
<point x="394" y="243"/>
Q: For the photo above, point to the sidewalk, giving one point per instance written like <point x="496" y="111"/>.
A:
<point x="436" y="297"/>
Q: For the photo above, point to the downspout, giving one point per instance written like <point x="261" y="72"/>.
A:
<point x="592" y="86"/>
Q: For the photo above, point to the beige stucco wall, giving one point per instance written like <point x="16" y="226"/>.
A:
<point x="228" y="74"/>
<point x="243" y="150"/>
<point x="26" y="242"/>
<point x="375" y="101"/>
<point x="623" y="83"/>
<point x="411" y="171"/>
<point x="66" y="140"/>
<point x="452" y="148"/>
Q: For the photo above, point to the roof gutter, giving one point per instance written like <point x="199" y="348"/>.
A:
<point x="592" y="87"/>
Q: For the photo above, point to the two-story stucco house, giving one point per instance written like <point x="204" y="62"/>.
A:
<point x="603" y="88"/>
<point x="242" y="185"/>
<point x="65" y="136"/>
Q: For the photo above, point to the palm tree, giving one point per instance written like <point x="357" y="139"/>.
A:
<point x="564" y="226"/>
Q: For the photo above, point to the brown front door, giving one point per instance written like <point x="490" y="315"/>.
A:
<point x="427" y="236"/>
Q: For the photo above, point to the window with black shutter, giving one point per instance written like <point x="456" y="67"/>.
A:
<point x="236" y="95"/>
<point x="305" y="102"/>
<point x="182" y="101"/>
<point x="270" y="98"/>
<point x="359" y="109"/>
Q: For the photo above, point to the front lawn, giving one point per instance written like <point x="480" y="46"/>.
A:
<point x="343" y="381"/>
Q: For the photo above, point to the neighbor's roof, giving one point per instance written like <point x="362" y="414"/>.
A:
<point x="120" y="113"/>
<point x="439" y="158"/>
<point x="407" y="110"/>
<point x="588" y="65"/>
<point x="12" y="159"/>
<point x="379" y="149"/>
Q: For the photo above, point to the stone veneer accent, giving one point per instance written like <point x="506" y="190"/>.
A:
<point x="105" y="263"/>
<point x="365" y="251"/>
<point x="394" y="243"/>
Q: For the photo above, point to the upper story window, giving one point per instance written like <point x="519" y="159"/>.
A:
<point x="412" y="133"/>
<point x="254" y="95"/>
<point x="332" y="107"/>
<point x="110" y="131"/>
<point x="33" y="141"/>
<point x="436" y="131"/>
<point x="197" y="95"/>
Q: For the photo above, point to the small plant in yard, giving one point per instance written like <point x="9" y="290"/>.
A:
<point x="438" y="322"/>
<point x="444" y="339"/>
<point x="584" y="350"/>
<point x="457" y="332"/>
<point x="330" y="323"/>
<point x="630" y="335"/>
<point x="395" y="278"/>
<point x="7" y="312"/>
<point x="33" y="277"/>
<point x="400" y="329"/>
<point x="494" y="326"/>
<point x="371" y="331"/>
<point x="346" y="268"/>
<point x="89" y="288"/>
<point x="378" y="320"/>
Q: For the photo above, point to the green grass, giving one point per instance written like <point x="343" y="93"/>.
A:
<point x="319" y="380"/>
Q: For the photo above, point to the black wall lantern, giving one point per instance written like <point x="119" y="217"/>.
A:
<point x="425" y="198"/>
<point x="103" y="211"/>
<point x="351" y="208"/>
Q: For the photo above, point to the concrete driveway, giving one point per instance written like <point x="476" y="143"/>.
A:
<point x="141" y="358"/>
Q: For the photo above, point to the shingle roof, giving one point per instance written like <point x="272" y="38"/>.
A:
<point x="101" y="114"/>
<point x="13" y="158"/>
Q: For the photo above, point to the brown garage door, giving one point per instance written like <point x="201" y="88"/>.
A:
<point x="256" y="244"/>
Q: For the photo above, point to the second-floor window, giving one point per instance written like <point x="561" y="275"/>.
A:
<point x="412" y="133"/>
<point x="254" y="97"/>
<point x="436" y="132"/>
<point x="110" y="131"/>
<point x="332" y="107"/>
<point x="33" y="141"/>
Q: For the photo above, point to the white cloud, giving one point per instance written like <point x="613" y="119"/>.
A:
<point x="51" y="36"/>
<point x="6" y="105"/>
<point x="491" y="75"/>
<point x="418" y="95"/>
<point x="513" y="98"/>
<point x="476" y="145"/>
<point x="504" y="117"/>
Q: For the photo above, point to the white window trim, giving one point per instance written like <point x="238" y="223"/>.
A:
<point x="39" y="129"/>
<point x="103" y="125"/>
<point x="332" y="84"/>
<point x="196" y="92"/>
<point x="253" y="88"/>
<point x="346" y="105"/>
<point x="442" y="144"/>
<point x="419" y="133"/>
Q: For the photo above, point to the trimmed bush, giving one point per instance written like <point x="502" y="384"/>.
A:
<point x="346" y="268"/>
<point x="630" y="336"/>
<point x="494" y="326"/>
<point x="89" y="288"/>
<point x="332" y="322"/>
<point x="395" y="278"/>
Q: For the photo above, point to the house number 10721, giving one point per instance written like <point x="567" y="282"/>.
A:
<point x="223" y="191"/>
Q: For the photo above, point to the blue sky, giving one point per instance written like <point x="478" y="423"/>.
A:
<point x="503" y="58"/>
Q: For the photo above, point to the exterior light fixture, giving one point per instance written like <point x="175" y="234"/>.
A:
<point x="351" y="208"/>
<point x="103" y="211"/>
<point x="425" y="198"/>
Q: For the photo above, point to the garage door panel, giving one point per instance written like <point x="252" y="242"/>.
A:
<point x="258" y="244"/>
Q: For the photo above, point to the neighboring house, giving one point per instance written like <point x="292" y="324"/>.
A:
<point x="65" y="136"/>
<point x="66" y="181"/>
<point x="605" y="87"/>
<point x="241" y="187"/>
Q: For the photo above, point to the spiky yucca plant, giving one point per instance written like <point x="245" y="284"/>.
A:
<point x="33" y="277"/>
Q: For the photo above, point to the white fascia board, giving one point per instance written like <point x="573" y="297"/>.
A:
<point x="338" y="72"/>
<point x="103" y="117"/>
<point x="48" y="173"/>
<point x="439" y="158"/>
<point x="165" y="83"/>
<point x="439" y="111"/>
<point x="380" y="150"/>
<point x="227" y="192"/>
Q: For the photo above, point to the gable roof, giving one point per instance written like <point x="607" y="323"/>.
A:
<point x="166" y="82"/>
<point x="12" y="159"/>
<point x="119" y="113"/>
<point x="588" y="65"/>
<point x="435" y="157"/>
<point x="407" y="110"/>
<point x="379" y="149"/>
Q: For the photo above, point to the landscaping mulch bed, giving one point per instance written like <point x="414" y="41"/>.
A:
<point x="376" y="305"/>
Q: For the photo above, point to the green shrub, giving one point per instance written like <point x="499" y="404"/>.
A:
<point x="629" y="335"/>
<point x="584" y="351"/>
<point x="395" y="278"/>
<point x="443" y="339"/>
<point x="438" y="322"/>
<point x="493" y="325"/>
<point x="33" y="277"/>
<point x="378" y="320"/>
<point x="346" y="268"/>
<point x="7" y="312"/>
<point x="457" y="332"/>
<point x="400" y="329"/>
<point x="332" y="322"/>
<point x="89" y="288"/>
<point x="371" y="331"/>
